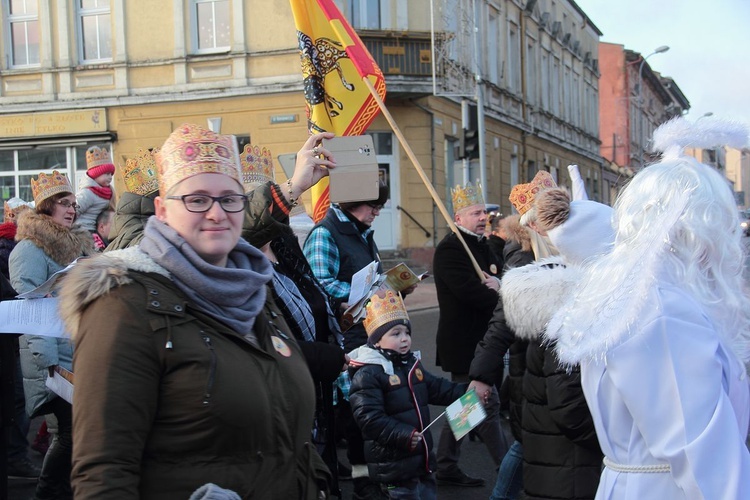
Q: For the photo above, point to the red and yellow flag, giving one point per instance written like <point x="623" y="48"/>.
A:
<point x="334" y="62"/>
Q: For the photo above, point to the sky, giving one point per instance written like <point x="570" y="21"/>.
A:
<point x="709" y="46"/>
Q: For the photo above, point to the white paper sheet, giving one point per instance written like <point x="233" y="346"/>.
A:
<point x="60" y="386"/>
<point x="362" y="282"/>
<point x="31" y="317"/>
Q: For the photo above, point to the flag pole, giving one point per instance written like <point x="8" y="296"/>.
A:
<point x="422" y="174"/>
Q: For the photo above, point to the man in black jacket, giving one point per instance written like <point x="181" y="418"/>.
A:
<point x="466" y="303"/>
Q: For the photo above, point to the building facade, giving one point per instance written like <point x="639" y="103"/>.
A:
<point x="100" y="72"/>
<point x="738" y="173"/>
<point x="633" y="100"/>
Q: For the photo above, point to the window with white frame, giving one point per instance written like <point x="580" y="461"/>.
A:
<point x="587" y="125"/>
<point x="22" y="32"/>
<point x="544" y="79"/>
<point x="493" y="46"/>
<point x="567" y="94"/>
<point x="211" y="25"/>
<point x="514" y="58"/>
<point x="531" y="72"/>
<point x="19" y="166"/>
<point x="555" y="86"/>
<point x="575" y="94"/>
<point x="368" y="14"/>
<point x="94" y="30"/>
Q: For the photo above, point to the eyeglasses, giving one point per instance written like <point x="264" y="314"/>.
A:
<point x="200" y="203"/>
<point x="375" y="208"/>
<point x="67" y="204"/>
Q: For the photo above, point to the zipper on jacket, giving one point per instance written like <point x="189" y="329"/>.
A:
<point x="212" y="369"/>
<point x="409" y="376"/>
<point x="271" y="322"/>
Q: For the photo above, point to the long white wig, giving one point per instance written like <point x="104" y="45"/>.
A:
<point x="676" y="218"/>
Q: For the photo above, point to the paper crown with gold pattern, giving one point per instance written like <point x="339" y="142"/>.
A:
<point x="98" y="162"/>
<point x="191" y="150"/>
<point x="257" y="166"/>
<point x="466" y="196"/>
<point x="45" y="186"/>
<point x="522" y="195"/>
<point x="139" y="173"/>
<point x="384" y="311"/>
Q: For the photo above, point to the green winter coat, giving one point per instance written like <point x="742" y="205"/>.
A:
<point x="168" y="399"/>
<point x="131" y="214"/>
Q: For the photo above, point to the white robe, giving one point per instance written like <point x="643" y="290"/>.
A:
<point x="672" y="393"/>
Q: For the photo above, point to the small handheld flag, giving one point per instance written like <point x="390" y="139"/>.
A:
<point x="464" y="414"/>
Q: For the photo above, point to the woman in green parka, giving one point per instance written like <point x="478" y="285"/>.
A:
<point x="186" y="373"/>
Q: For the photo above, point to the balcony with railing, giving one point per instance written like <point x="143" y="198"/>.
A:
<point x="402" y="53"/>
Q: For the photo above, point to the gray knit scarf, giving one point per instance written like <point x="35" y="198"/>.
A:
<point x="233" y="295"/>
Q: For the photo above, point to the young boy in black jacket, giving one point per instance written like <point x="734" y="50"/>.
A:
<point x="389" y="395"/>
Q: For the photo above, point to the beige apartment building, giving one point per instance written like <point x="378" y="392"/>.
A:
<point x="125" y="73"/>
<point x="738" y="173"/>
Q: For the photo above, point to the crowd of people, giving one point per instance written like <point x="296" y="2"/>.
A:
<point x="209" y="361"/>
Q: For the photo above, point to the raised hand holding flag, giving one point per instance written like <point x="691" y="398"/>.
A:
<point x="334" y="63"/>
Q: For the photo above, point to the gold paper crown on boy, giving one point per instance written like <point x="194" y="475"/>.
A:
<point x="257" y="166"/>
<point x="98" y="162"/>
<point x="466" y="196"/>
<point x="522" y="195"/>
<point x="191" y="150"/>
<point x="140" y="173"/>
<point x="384" y="311"/>
<point x="45" y="186"/>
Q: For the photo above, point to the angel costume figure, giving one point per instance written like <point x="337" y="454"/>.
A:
<point x="661" y="327"/>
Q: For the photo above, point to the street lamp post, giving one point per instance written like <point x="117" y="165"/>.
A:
<point x="641" y="148"/>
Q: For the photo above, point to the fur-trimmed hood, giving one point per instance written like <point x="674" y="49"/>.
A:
<point x="61" y="244"/>
<point x="516" y="232"/>
<point x="366" y="355"/>
<point x="533" y="293"/>
<point x="91" y="278"/>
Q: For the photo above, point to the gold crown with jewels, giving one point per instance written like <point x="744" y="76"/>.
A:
<point x="139" y="173"/>
<point x="45" y="186"/>
<point x="522" y="196"/>
<point x="466" y="196"/>
<point x="191" y="150"/>
<point x="257" y="166"/>
<point x="384" y="306"/>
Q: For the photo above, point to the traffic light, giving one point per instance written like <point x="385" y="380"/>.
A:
<point x="470" y="144"/>
<point x="470" y="136"/>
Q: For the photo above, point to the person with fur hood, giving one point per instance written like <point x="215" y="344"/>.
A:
<point x="661" y="329"/>
<point x="48" y="240"/>
<point x="487" y="367"/>
<point x="187" y="374"/>
<point x="560" y="454"/>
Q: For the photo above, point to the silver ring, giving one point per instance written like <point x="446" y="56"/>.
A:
<point x="315" y="151"/>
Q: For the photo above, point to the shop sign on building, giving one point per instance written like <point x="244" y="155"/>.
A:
<point x="53" y="123"/>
